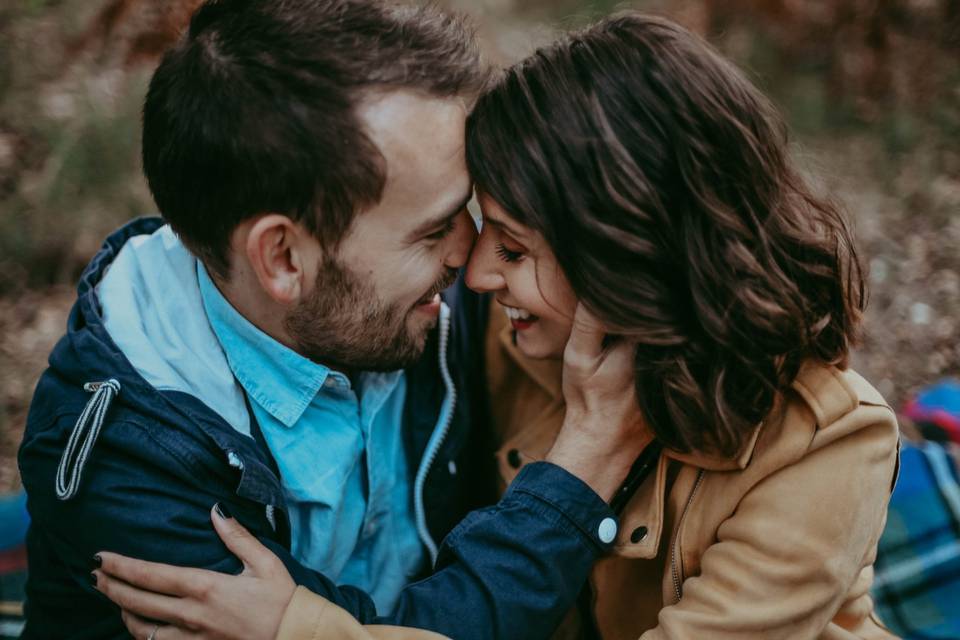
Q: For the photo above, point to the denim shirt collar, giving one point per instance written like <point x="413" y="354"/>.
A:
<point x="274" y="376"/>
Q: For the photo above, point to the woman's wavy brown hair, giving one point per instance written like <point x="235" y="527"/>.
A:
<point x="660" y="177"/>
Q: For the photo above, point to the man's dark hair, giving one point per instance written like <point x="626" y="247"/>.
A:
<point x="661" y="179"/>
<point x="253" y="111"/>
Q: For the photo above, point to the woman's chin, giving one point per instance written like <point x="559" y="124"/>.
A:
<point x="537" y="348"/>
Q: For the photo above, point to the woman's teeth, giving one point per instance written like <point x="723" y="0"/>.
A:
<point x="517" y="314"/>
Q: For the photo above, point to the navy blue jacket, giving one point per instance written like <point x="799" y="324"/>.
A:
<point x="163" y="458"/>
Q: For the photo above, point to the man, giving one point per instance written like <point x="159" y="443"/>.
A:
<point x="279" y="346"/>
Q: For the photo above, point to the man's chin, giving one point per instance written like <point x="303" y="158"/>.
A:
<point x="403" y="362"/>
<point x="403" y="357"/>
<point x="419" y="336"/>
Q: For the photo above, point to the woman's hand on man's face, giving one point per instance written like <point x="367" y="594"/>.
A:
<point x="603" y="431"/>
<point x="195" y="603"/>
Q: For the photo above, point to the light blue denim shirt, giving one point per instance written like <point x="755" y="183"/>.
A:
<point x="339" y="448"/>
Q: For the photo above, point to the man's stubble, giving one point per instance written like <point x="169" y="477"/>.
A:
<point x="343" y="324"/>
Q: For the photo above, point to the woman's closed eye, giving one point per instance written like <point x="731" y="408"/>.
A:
<point x="507" y="255"/>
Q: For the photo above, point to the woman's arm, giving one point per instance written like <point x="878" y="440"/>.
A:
<point x="311" y="616"/>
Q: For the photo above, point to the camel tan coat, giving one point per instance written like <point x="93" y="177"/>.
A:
<point x="778" y="543"/>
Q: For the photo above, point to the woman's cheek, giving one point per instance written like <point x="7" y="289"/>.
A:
<point x="556" y="292"/>
<point x="561" y="334"/>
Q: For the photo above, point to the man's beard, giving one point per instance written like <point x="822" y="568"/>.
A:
<point x="343" y="324"/>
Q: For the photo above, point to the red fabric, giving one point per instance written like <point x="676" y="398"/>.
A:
<point x="934" y="415"/>
<point x="13" y="560"/>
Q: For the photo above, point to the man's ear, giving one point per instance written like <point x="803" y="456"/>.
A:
<point x="276" y="247"/>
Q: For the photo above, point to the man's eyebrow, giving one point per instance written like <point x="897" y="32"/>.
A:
<point x="441" y="219"/>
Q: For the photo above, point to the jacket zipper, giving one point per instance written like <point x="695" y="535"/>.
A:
<point x="674" y="565"/>
<point x="437" y="438"/>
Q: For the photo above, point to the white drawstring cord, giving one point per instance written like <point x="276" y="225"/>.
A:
<point x="82" y="439"/>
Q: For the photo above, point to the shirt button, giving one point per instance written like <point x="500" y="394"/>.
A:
<point x="452" y="468"/>
<point x="639" y="534"/>
<point x="608" y="530"/>
<point x="513" y="457"/>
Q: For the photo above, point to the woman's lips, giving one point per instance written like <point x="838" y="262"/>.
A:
<point x="520" y="319"/>
<point x="520" y="325"/>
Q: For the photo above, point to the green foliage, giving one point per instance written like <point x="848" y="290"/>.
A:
<point x="70" y="122"/>
<point x="71" y="132"/>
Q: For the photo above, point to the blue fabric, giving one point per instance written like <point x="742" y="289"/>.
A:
<point x="943" y="396"/>
<point x="917" y="585"/>
<point x="13" y="520"/>
<point x="339" y="451"/>
<point x="149" y="304"/>
<point x="519" y="535"/>
<point x="162" y="327"/>
<point x="164" y="457"/>
<point x="13" y="562"/>
<point x="936" y="411"/>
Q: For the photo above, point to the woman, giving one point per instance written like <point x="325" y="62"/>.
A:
<point x="631" y="169"/>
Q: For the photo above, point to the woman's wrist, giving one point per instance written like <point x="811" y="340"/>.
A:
<point x="600" y="462"/>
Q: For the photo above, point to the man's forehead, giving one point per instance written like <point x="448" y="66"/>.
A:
<point x="408" y="123"/>
<point x="421" y="139"/>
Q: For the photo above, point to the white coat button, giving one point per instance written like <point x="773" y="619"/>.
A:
<point x="608" y="530"/>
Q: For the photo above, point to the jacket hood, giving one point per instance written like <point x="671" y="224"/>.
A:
<point x="139" y="312"/>
<point x="125" y="334"/>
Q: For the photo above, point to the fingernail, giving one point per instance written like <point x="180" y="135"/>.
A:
<point x="97" y="560"/>
<point x="222" y="511"/>
<point x="93" y="578"/>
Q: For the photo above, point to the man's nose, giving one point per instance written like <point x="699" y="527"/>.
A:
<point x="483" y="272"/>
<point x="464" y="236"/>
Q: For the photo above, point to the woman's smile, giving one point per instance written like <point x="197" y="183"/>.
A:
<point x="515" y="264"/>
<point x="521" y="319"/>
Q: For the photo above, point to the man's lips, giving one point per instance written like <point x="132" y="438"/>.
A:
<point x="433" y="298"/>
<point x="431" y="307"/>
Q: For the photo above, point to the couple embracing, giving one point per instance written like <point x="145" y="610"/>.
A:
<point x="313" y="401"/>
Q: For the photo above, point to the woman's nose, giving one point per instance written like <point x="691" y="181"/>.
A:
<point x="462" y="242"/>
<point x="483" y="271"/>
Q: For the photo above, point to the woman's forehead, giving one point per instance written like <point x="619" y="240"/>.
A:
<point x="495" y="215"/>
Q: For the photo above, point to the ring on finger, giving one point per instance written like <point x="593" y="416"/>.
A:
<point x="154" y="634"/>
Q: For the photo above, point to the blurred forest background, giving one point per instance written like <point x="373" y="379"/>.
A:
<point x="870" y="87"/>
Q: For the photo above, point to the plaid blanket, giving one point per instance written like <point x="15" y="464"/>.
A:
<point x="13" y="563"/>
<point x="917" y="586"/>
<point x="935" y="410"/>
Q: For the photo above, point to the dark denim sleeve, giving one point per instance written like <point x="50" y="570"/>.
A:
<point x="354" y="600"/>
<point x="514" y="569"/>
<point x="143" y="499"/>
<point x="508" y="571"/>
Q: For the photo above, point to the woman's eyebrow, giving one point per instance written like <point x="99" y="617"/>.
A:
<point x="503" y="225"/>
